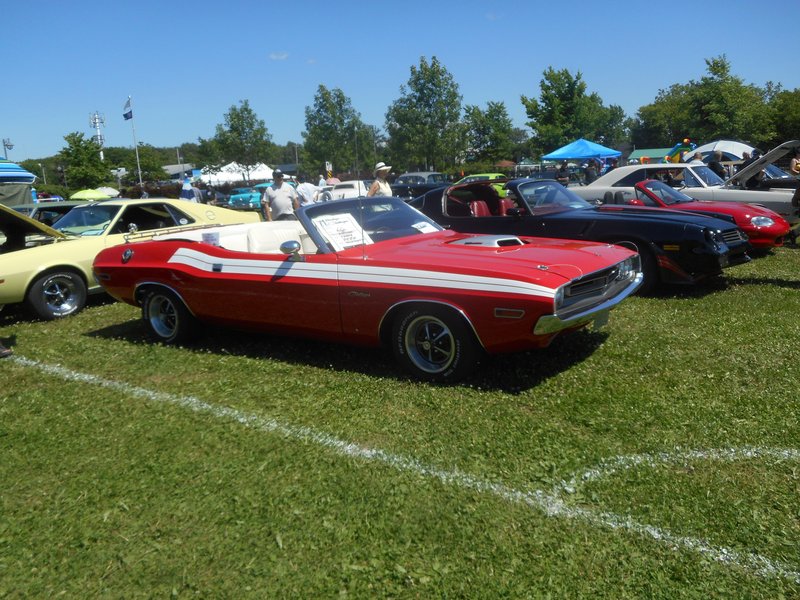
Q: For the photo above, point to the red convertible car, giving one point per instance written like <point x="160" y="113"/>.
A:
<point x="764" y="227"/>
<point x="372" y="271"/>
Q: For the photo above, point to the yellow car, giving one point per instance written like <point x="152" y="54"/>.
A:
<point x="500" y="187"/>
<point x="49" y="269"/>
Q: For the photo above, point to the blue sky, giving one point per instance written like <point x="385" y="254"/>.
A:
<point x="186" y="63"/>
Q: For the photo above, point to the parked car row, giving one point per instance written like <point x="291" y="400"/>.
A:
<point x="484" y="266"/>
<point x="674" y="247"/>
<point x="701" y="183"/>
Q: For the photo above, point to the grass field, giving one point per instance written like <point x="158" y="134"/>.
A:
<point x="656" y="458"/>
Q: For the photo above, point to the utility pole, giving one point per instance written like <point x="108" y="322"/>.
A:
<point x="96" y="120"/>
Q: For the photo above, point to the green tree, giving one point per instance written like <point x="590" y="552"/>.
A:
<point x="81" y="164"/>
<point x="151" y="160"/>
<point x="489" y="133"/>
<point x="335" y="133"/>
<point x="424" y="125"/>
<point x="718" y="106"/>
<point x="565" y="112"/>
<point x="520" y="144"/>
<point x="786" y="110"/>
<point x="243" y="138"/>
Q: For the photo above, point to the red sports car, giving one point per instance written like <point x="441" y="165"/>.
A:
<point x="372" y="271"/>
<point x="764" y="227"/>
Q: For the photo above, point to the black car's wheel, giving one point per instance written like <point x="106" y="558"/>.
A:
<point x="649" y="266"/>
<point x="168" y="318"/>
<point x="434" y="344"/>
<point x="57" y="294"/>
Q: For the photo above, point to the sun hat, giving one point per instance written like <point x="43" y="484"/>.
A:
<point x="381" y="166"/>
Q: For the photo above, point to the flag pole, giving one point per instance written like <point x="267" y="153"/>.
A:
<point x="129" y="111"/>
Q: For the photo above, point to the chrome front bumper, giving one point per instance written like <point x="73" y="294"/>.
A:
<point x="599" y="313"/>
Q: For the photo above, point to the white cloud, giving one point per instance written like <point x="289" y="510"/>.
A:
<point x="278" y="55"/>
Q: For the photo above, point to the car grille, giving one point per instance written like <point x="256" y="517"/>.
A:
<point x="733" y="236"/>
<point x="594" y="288"/>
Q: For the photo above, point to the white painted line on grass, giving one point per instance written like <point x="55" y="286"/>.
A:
<point x="551" y="503"/>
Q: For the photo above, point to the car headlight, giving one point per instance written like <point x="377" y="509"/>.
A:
<point x="628" y="268"/>
<point x="559" y="298"/>
<point x="761" y="222"/>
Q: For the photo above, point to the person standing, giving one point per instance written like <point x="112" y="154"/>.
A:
<point x="280" y="200"/>
<point x="697" y="159"/>
<point x="715" y="164"/>
<point x="307" y="192"/>
<point x="794" y="164"/>
<point x="321" y="182"/>
<point x="753" y="182"/>
<point x="380" y="187"/>
<point x="562" y="174"/>
<point x="590" y="172"/>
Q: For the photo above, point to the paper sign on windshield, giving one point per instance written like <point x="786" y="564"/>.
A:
<point x="342" y="231"/>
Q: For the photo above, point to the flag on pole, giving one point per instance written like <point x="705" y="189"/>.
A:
<point x="128" y="111"/>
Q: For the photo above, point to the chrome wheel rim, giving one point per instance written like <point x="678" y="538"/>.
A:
<point x="430" y="344"/>
<point x="162" y="316"/>
<point x="59" y="295"/>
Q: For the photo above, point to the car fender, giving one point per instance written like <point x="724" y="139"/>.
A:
<point x="144" y="287"/>
<point x="385" y="325"/>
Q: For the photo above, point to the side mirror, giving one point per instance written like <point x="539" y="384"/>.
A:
<point x="636" y="202"/>
<point x="292" y="248"/>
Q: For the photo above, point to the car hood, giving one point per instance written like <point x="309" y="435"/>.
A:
<point x="743" y="208"/>
<point x="638" y="213"/>
<point x="12" y="218"/>
<point x="770" y="157"/>
<point x="554" y="261"/>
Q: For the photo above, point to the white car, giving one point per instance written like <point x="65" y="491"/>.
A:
<point x="350" y="189"/>
<point x="733" y="153"/>
<point x="699" y="182"/>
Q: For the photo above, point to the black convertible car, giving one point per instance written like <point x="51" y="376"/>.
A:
<point x="676" y="247"/>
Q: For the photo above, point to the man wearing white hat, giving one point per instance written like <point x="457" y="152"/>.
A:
<point x="380" y="187"/>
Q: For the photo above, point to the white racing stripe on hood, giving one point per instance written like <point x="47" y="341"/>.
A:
<point x="358" y="274"/>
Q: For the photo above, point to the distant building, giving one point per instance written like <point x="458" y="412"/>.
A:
<point x="178" y="172"/>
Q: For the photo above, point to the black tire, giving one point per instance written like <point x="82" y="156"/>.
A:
<point x="57" y="295"/>
<point x="168" y="318"/>
<point x="435" y="344"/>
<point x="651" y="278"/>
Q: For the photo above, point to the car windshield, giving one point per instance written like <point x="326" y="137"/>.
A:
<point x="667" y="194"/>
<point x="549" y="196"/>
<point x="704" y="174"/>
<point x="775" y="172"/>
<point x="361" y="221"/>
<point x="91" y="219"/>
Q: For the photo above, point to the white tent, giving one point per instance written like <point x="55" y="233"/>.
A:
<point x="234" y="173"/>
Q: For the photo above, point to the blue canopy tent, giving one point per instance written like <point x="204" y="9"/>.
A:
<point x="15" y="184"/>
<point x="12" y="173"/>
<point x="581" y="149"/>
